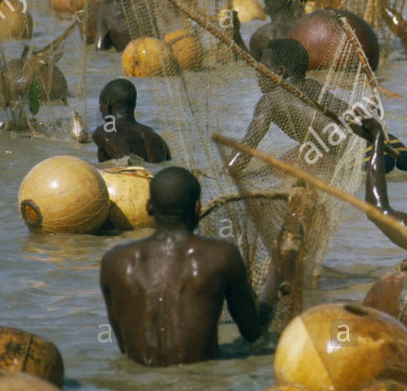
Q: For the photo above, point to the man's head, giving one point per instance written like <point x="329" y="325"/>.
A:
<point x="175" y="193"/>
<point x="285" y="57"/>
<point x="118" y="95"/>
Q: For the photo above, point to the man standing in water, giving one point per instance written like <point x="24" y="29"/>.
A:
<point x="288" y="59"/>
<point x="164" y="293"/>
<point x="122" y="134"/>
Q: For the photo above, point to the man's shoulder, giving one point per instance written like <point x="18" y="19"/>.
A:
<point x="122" y="253"/>
<point x="226" y="249"/>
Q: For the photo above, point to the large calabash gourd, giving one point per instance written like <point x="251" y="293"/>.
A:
<point x="63" y="194"/>
<point x="25" y="352"/>
<point x="317" y="31"/>
<point x="18" y="381"/>
<point x="341" y="347"/>
<point x="146" y="57"/>
<point x="15" y="21"/>
<point x="129" y="191"/>
<point x="186" y="48"/>
<point x="389" y="295"/>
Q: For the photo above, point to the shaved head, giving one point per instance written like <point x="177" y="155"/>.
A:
<point x="174" y="191"/>
<point x="119" y="93"/>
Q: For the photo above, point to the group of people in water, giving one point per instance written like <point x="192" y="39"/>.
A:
<point x="164" y="293"/>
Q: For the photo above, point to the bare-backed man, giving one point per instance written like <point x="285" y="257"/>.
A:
<point x="122" y="134"/>
<point x="164" y="293"/>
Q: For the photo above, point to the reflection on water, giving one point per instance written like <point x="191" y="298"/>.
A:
<point x="49" y="283"/>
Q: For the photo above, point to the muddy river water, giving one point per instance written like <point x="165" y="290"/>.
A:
<point x="49" y="283"/>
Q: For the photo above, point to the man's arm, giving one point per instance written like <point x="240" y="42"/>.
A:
<point x="259" y="126"/>
<point x="376" y="186"/>
<point x="251" y="318"/>
<point x="108" y="270"/>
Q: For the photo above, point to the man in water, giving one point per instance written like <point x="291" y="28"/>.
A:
<point x="288" y="59"/>
<point x="376" y="186"/>
<point x="283" y="14"/>
<point x="164" y="293"/>
<point x="122" y="134"/>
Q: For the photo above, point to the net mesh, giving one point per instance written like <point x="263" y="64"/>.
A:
<point x="199" y="85"/>
<point x="376" y="12"/>
<point x="221" y="98"/>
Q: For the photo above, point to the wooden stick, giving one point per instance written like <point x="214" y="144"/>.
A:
<point x="223" y="199"/>
<point x="369" y="209"/>
<point x="261" y="68"/>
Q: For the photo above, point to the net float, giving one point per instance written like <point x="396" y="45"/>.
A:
<point x="326" y="348"/>
<point x="129" y="191"/>
<point x="21" y="351"/>
<point x="186" y="48"/>
<point x="15" y="21"/>
<point x="146" y="57"/>
<point x="63" y="194"/>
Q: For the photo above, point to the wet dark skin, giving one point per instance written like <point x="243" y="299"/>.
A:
<point x="283" y="109"/>
<point x="164" y="293"/>
<point x="123" y="135"/>
<point x="376" y="186"/>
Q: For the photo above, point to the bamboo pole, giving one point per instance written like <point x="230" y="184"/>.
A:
<point x="372" y="211"/>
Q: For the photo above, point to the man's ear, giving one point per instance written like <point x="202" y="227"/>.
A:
<point x="197" y="208"/>
<point x="282" y="71"/>
<point x="149" y="207"/>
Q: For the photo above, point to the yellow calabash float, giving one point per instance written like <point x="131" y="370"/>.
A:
<point x="247" y="10"/>
<point x="186" y="48"/>
<point x="341" y="348"/>
<point x="147" y="57"/>
<point x="63" y="194"/>
<point x="69" y="6"/>
<point x="129" y="191"/>
<point x="17" y="381"/>
<point x="24" y="352"/>
<point x="15" y="21"/>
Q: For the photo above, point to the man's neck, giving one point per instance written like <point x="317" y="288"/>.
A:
<point x="173" y="225"/>
<point x="123" y="114"/>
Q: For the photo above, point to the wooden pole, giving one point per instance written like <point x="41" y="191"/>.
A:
<point x="369" y="209"/>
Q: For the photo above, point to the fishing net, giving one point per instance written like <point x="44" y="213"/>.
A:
<point x="43" y="70"/>
<point x="381" y="15"/>
<point x="201" y="82"/>
<point x="218" y="93"/>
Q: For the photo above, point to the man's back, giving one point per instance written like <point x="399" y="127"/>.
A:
<point x="164" y="296"/>
<point x="129" y="136"/>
